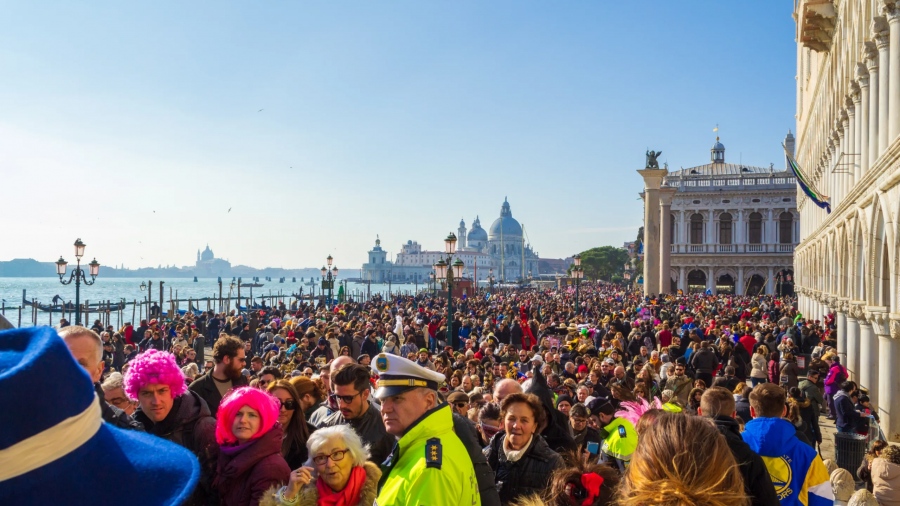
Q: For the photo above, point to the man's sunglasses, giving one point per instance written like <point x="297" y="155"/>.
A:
<point x="461" y="404"/>
<point x="346" y="399"/>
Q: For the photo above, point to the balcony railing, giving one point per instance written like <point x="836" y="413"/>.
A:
<point x="732" y="248"/>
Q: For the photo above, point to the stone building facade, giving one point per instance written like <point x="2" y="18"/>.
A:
<point x="848" y="121"/>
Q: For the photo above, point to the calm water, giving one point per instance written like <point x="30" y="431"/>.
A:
<point x="115" y="289"/>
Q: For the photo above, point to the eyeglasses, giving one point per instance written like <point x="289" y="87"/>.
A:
<point x="346" y="399"/>
<point x="461" y="404"/>
<point x="289" y="404"/>
<point x="336" y="456"/>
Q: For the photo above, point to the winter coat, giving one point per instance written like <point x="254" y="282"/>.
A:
<point x="309" y="495"/>
<point x="886" y="482"/>
<point x="796" y="470"/>
<point x="837" y="374"/>
<point x="190" y="425"/>
<point x="356" y="346"/>
<point x="528" y="475"/>
<point x="812" y="392"/>
<point x="789" y="369"/>
<point x="773" y="372"/>
<point x="704" y="361"/>
<point x="758" y="366"/>
<point x="757" y="483"/>
<point x="246" y="471"/>
<point x="847" y="417"/>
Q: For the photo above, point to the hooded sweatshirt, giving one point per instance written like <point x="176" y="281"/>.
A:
<point x="886" y="482"/>
<point x="796" y="470"/>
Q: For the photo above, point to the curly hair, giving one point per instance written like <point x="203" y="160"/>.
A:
<point x="566" y="484"/>
<point x="682" y="461"/>
<point x="263" y="403"/>
<point x="154" y="366"/>
<point x="891" y="453"/>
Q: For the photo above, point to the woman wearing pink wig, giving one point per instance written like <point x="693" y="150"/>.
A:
<point x="249" y="438"/>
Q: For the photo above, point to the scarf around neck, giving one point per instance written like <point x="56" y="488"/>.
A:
<point x="348" y="496"/>
<point x="515" y="455"/>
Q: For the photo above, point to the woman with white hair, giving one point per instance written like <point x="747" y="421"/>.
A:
<point x="337" y="472"/>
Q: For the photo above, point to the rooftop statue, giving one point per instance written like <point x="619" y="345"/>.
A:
<point x="651" y="159"/>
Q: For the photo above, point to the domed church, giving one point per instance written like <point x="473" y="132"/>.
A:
<point x="511" y="256"/>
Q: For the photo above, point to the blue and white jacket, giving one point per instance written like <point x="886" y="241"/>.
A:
<point x="797" y="471"/>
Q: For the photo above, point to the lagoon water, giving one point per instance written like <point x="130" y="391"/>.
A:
<point x="115" y="289"/>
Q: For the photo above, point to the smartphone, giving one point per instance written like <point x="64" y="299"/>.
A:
<point x="621" y="431"/>
<point x="593" y="448"/>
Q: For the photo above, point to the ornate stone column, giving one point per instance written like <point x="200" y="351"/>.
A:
<point x="770" y="281"/>
<point x="847" y="134"/>
<point x="878" y="317"/>
<point x="855" y="318"/>
<point x="893" y="17"/>
<point x="862" y="123"/>
<point x="871" y="141"/>
<point x="843" y="305"/>
<point x="710" y="279"/>
<point x="739" y="286"/>
<point x="889" y="381"/>
<point x="882" y="41"/>
<point x="652" y="181"/>
<point x="666" y="194"/>
<point x="682" y="279"/>
<point x="867" y="353"/>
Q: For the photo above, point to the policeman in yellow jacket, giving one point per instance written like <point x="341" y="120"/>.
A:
<point x="429" y="464"/>
<point x="618" y="434"/>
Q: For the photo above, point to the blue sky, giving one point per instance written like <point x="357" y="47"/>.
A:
<point x="136" y="126"/>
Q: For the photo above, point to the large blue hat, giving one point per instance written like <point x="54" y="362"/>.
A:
<point x="54" y="445"/>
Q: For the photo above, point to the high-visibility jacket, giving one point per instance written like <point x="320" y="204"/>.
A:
<point x="619" y="443"/>
<point x="429" y="465"/>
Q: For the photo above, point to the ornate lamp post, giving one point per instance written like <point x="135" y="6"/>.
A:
<point x="444" y="271"/>
<point x="329" y="274"/>
<point x="433" y="284"/>
<point x="78" y="275"/>
<point x="577" y="274"/>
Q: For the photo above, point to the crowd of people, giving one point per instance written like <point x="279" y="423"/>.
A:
<point x="509" y="398"/>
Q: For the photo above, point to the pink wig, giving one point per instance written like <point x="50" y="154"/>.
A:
<point x="154" y="366"/>
<point x="263" y="403"/>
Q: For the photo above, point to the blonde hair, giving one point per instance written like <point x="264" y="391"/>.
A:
<point x="682" y="461"/>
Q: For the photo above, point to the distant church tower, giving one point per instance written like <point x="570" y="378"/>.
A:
<point x="461" y="234"/>
<point x="789" y="146"/>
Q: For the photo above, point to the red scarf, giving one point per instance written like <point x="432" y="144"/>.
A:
<point x="349" y="496"/>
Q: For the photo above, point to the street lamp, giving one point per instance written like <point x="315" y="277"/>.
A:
<point x="444" y="271"/>
<point x="433" y="284"/>
<point x="577" y="274"/>
<point x="328" y="277"/>
<point x="490" y="279"/>
<point x="78" y="275"/>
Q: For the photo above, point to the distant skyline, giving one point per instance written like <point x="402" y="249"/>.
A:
<point x="137" y="127"/>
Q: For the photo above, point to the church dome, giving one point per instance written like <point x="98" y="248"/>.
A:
<point x="477" y="233"/>
<point x="505" y="226"/>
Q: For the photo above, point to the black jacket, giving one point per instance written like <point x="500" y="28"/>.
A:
<point x="190" y="425"/>
<point x="529" y="475"/>
<point x="205" y="386"/>
<point x="757" y="482"/>
<point x="114" y="415"/>
<point x="483" y="472"/>
<point x="370" y="429"/>
<point x="369" y="347"/>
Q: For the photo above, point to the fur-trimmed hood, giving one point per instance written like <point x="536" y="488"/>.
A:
<point x="309" y="495"/>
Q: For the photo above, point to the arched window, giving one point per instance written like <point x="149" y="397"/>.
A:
<point x="755" y="228"/>
<point x="696" y="229"/>
<point x="725" y="228"/>
<point x="786" y="228"/>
